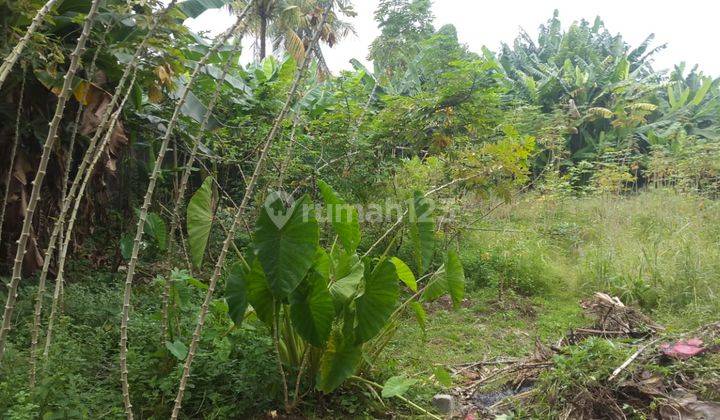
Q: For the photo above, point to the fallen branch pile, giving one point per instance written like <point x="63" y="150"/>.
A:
<point x="664" y="376"/>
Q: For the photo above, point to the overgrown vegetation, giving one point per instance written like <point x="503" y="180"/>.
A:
<point x="470" y="201"/>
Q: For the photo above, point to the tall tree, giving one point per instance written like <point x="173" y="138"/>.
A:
<point x="404" y="24"/>
<point x="286" y="23"/>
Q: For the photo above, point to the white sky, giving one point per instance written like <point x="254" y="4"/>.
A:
<point x="690" y="28"/>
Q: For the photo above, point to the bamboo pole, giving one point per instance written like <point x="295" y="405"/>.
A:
<point x="249" y="189"/>
<point x="182" y="186"/>
<point x="107" y="118"/>
<point x="14" y="55"/>
<point x="40" y="175"/>
<point x="59" y="279"/>
<point x="13" y="151"/>
<point x="57" y="229"/>
<point x="147" y="201"/>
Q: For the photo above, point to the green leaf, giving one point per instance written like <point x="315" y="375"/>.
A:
<point x="420" y="314"/>
<point x="397" y="385"/>
<point x="436" y="286"/>
<point x="322" y="263"/>
<point x="455" y="277"/>
<point x="194" y="8"/>
<point x="286" y="243"/>
<point x="236" y="293"/>
<point x="312" y="310"/>
<point x="702" y="92"/>
<point x="258" y="293"/>
<point x="684" y="97"/>
<point x="349" y="271"/>
<point x="338" y="363"/>
<point x="126" y="246"/>
<point x="443" y="376"/>
<point x="344" y="217"/>
<point x="155" y="227"/>
<point x="404" y="273"/>
<point x="200" y="212"/>
<point x="671" y="96"/>
<point x="192" y="281"/>
<point x="377" y="301"/>
<point x="178" y="349"/>
<point x="422" y="232"/>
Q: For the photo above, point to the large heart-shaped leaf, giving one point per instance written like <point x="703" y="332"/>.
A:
<point x="397" y="385"/>
<point x="236" y="293"/>
<point x="422" y="232"/>
<point x="377" y="302"/>
<point x="348" y="272"/>
<point x="455" y="278"/>
<point x="177" y="348"/>
<point x="200" y="212"/>
<point x="436" y="285"/>
<point x="312" y="310"/>
<point x="258" y="293"/>
<point x="343" y="217"/>
<point x="338" y="362"/>
<point x="420" y="314"/>
<point x="155" y="227"/>
<point x="286" y="243"/>
<point x="404" y="273"/>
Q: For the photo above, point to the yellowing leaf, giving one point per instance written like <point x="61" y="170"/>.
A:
<point x="600" y="112"/>
<point x="155" y="94"/>
<point x="82" y="92"/>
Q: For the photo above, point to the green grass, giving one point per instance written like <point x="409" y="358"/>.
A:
<point x="527" y="268"/>
<point x="659" y="250"/>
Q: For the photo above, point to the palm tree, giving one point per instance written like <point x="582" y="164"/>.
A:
<point x="289" y="22"/>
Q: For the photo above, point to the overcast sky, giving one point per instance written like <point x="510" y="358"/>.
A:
<point x="690" y="28"/>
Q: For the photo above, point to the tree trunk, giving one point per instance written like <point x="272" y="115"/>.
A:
<point x="13" y="151"/>
<point x="87" y="166"/>
<point x="263" y="36"/>
<point x="182" y="187"/>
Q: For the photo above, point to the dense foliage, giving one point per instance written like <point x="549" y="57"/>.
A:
<point x="180" y="164"/>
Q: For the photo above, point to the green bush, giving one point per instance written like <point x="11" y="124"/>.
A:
<point x="509" y="263"/>
<point x="234" y="374"/>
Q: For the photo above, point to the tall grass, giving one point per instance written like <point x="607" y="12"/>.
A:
<point x="659" y="249"/>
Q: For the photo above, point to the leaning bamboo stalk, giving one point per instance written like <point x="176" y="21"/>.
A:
<point x="182" y="186"/>
<point x="219" y="41"/>
<point x="59" y="279"/>
<point x="85" y="166"/>
<point x="14" y="55"/>
<point x="57" y="229"/>
<point x="76" y="126"/>
<point x="42" y="168"/>
<point x="249" y="189"/>
<point x="13" y="151"/>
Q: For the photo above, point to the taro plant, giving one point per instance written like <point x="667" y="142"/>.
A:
<point x="327" y="307"/>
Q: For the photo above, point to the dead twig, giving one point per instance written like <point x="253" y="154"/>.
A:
<point x="630" y="359"/>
